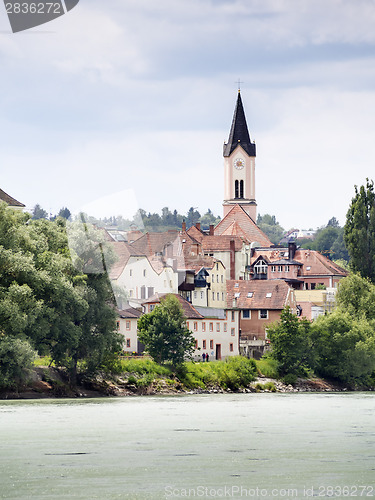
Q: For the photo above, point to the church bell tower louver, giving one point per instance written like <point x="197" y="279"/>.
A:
<point x="239" y="165"/>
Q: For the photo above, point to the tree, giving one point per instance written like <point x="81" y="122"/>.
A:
<point x="16" y="358"/>
<point x="269" y="225"/>
<point x="39" y="212"/>
<point x="164" y="333"/>
<point x="64" y="213"/>
<point x="359" y="231"/>
<point x="344" y="347"/>
<point x="290" y="342"/>
<point x="192" y="217"/>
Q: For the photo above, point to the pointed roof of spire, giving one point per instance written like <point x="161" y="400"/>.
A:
<point x="239" y="133"/>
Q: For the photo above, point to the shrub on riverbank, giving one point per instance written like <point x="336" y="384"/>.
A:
<point x="233" y="373"/>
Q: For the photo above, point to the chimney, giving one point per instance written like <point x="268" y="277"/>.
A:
<point x="292" y="247"/>
<point x="198" y="225"/>
<point x="184" y="226"/>
<point x="232" y="266"/>
<point x="211" y="230"/>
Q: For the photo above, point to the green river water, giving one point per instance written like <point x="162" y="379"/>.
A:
<point x="206" y="446"/>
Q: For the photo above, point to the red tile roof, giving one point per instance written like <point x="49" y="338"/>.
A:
<point x="123" y="252"/>
<point x="253" y="294"/>
<point x="245" y="222"/>
<point x="189" y="310"/>
<point x="221" y="243"/>
<point x="130" y="313"/>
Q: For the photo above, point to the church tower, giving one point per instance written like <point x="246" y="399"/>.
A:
<point x="239" y="165"/>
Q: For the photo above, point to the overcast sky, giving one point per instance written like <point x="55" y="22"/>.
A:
<point x="139" y="95"/>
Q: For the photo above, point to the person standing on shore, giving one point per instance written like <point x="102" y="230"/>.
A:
<point x="204" y="357"/>
<point x="207" y="357"/>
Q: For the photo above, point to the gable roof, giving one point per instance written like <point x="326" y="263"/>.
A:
<point x="189" y="310"/>
<point x="243" y="221"/>
<point x="9" y="200"/>
<point x="123" y="252"/>
<point x="253" y="294"/>
<point x="129" y="313"/>
<point x="239" y="133"/>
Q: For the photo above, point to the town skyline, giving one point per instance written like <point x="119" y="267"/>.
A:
<point x="126" y="98"/>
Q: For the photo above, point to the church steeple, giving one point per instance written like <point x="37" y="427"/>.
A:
<point x="239" y="165"/>
<point x="239" y="133"/>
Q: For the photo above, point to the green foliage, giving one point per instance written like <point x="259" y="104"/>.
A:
<point x="329" y="241"/>
<point x="164" y="333"/>
<point x="268" y="366"/>
<point x="269" y="225"/>
<point x="16" y="361"/>
<point x="290" y="379"/>
<point x="289" y="341"/>
<point x="39" y="212"/>
<point x="344" y="347"/>
<point x="359" y="231"/>
<point x="138" y="366"/>
<point x="63" y="312"/>
<point x="233" y="373"/>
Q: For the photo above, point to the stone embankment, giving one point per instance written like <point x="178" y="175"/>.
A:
<point x="51" y="383"/>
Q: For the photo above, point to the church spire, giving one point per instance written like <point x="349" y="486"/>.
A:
<point x="239" y="133"/>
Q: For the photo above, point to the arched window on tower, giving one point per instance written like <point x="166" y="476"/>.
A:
<point x="236" y="190"/>
<point x="241" y="189"/>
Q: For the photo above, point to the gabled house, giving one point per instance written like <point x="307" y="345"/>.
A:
<point x="216" y="331"/>
<point x="11" y="202"/>
<point x="260" y="302"/>
<point x="127" y="326"/>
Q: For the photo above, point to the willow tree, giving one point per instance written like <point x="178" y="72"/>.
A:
<point x="359" y="231"/>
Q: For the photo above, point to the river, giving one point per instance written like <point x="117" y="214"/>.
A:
<point x="196" y="446"/>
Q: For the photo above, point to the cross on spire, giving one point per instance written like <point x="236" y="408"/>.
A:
<point x="239" y="84"/>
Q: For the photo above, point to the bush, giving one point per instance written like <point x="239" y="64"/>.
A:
<point x="16" y="360"/>
<point x="290" y="379"/>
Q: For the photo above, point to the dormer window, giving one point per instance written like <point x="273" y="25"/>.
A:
<point x="250" y="295"/>
<point x="237" y="295"/>
<point x="269" y="295"/>
<point x="260" y="267"/>
<point x="236" y="285"/>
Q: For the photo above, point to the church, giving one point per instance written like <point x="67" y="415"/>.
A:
<point x="231" y="281"/>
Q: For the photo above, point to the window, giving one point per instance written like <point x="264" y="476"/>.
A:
<point x="246" y="313"/>
<point x="286" y="269"/>
<point x="236" y="189"/>
<point x="232" y="315"/>
<point x="118" y="324"/>
<point x="195" y="295"/>
<point x="165" y="283"/>
<point x="128" y="325"/>
<point x="260" y="267"/>
<point x="280" y="268"/>
<point x="144" y="272"/>
<point x="268" y="295"/>
<point x="225" y="327"/>
<point x="217" y="266"/>
<point x="170" y="283"/>
<point x="213" y="295"/>
<point x="232" y="332"/>
<point x="130" y="293"/>
<point x="130" y="272"/>
<point x="204" y="344"/>
<point x="203" y="327"/>
<point x="218" y="296"/>
<point x="222" y="296"/>
<point x="231" y="347"/>
<point x="195" y="326"/>
<point x="313" y="286"/>
<point x="250" y="295"/>
<point x="236" y="285"/>
<point x="241" y="189"/>
<point x="128" y="343"/>
<point x="217" y="278"/>
<point x="222" y="278"/>
<point x="211" y="344"/>
<point x="273" y="269"/>
<point x="143" y="292"/>
<point x="196" y="343"/>
<point x="187" y="325"/>
<point x="263" y="314"/>
<point x="202" y="294"/>
<point x="150" y="291"/>
<point x="211" y="327"/>
<point x="308" y="268"/>
<point x="218" y="327"/>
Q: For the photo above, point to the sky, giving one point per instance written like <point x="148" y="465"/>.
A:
<point x="133" y="99"/>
